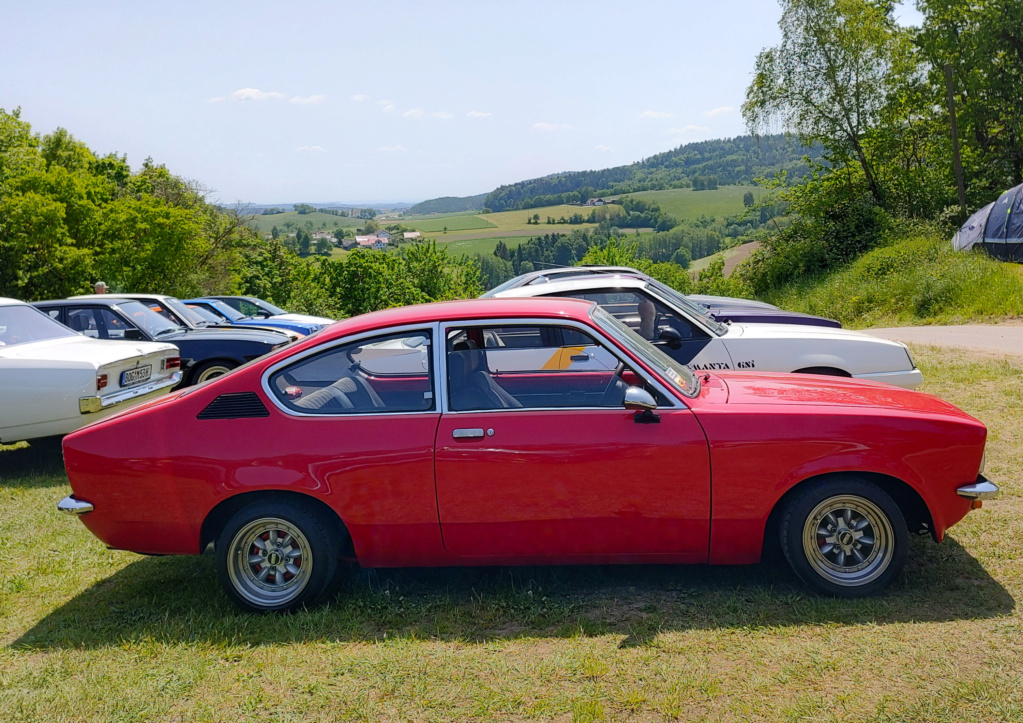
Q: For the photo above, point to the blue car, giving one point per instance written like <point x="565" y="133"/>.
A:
<point x="232" y="316"/>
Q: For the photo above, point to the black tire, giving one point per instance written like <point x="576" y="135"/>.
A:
<point x="210" y="370"/>
<point x="301" y="547"/>
<point x="868" y="548"/>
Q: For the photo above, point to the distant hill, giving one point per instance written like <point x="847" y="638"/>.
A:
<point x="727" y="161"/>
<point x="448" y="204"/>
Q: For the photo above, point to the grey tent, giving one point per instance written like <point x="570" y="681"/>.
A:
<point x="998" y="227"/>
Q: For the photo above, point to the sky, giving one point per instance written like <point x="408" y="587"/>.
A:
<point x="382" y="101"/>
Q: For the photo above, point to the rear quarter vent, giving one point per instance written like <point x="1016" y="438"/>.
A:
<point x="236" y="405"/>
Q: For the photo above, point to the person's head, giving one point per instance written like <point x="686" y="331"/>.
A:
<point x="101" y="287"/>
<point x="647" y="317"/>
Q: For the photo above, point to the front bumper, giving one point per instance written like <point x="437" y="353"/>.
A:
<point x="982" y="489"/>
<point x="909" y="379"/>
<point x="71" y="505"/>
<point x="89" y="405"/>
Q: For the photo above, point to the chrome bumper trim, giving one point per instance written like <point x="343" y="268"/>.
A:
<point x="982" y="489"/>
<point x="72" y="506"/>
<point x="88" y="405"/>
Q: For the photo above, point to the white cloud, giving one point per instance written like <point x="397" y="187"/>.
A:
<point x="654" y="114"/>
<point x="386" y="105"/>
<point x="256" y="94"/>
<point x="311" y="149"/>
<point x="308" y="100"/>
<point x="443" y="115"/>
<point x="360" y="98"/>
<point x="218" y="99"/>
<point x="549" y="127"/>
<point x="720" y="111"/>
<point x="478" y="114"/>
<point x="392" y="149"/>
<point x="414" y="113"/>
<point x="687" y="129"/>
<point x="603" y="149"/>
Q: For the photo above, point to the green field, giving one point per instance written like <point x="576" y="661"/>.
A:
<point x="321" y="221"/>
<point x="685" y="203"/>
<point x="451" y="223"/>
<point x="91" y="634"/>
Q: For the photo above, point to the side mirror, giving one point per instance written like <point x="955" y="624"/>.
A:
<point x="639" y="400"/>
<point x="670" y="338"/>
<point x="261" y="315"/>
<point x="134" y="334"/>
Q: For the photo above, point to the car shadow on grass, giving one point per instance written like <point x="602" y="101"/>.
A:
<point x="177" y="599"/>
<point x="39" y="464"/>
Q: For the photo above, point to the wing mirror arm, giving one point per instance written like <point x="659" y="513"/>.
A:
<point x="640" y="401"/>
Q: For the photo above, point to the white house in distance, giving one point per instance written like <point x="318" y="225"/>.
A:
<point x="412" y="235"/>
<point x="372" y="242"/>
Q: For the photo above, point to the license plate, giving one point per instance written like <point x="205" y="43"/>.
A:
<point x="136" y="376"/>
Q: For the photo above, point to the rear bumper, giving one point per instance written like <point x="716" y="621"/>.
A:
<point x="89" y="405"/>
<point x="71" y="505"/>
<point x="982" y="489"/>
<point x="909" y="379"/>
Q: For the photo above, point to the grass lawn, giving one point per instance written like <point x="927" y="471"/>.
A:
<point x="685" y="203"/>
<point x="92" y="634"/>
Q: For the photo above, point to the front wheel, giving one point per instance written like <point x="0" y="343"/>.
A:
<point x="277" y="556"/>
<point x="845" y="537"/>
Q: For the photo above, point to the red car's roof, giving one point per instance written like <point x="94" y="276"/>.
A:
<point x="549" y="307"/>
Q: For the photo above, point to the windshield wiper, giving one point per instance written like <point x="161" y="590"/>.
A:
<point x="168" y="330"/>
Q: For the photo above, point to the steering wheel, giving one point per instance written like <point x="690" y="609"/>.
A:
<point x="606" y="398"/>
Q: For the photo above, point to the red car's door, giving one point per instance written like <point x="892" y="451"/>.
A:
<point x="569" y="483"/>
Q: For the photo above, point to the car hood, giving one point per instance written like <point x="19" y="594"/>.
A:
<point x="304" y="318"/>
<point x="817" y="390"/>
<point x="83" y="350"/>
<point x="229" y="334"/>
<point x="770" y="332"/>
<point x="728" y="302"/>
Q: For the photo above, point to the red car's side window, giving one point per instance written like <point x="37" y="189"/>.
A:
<point x="392" y="373"/>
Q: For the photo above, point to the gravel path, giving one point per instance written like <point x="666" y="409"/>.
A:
<point x="994" y="338"/>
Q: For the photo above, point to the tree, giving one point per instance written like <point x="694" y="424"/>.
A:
<point x="748" y="200"/>
<point x="339" y="235"/>
<point x="983" y="42"/>
<point x="274" y="233"/>
<point x="536" y="219"/>
<point x="838" y="64"/>
<point x="323" y="246"/>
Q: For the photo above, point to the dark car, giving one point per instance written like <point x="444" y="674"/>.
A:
<point x="720" y="308"/>
<point x="205" y="353"/>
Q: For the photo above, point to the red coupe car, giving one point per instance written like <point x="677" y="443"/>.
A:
<point x="520" y="431"/>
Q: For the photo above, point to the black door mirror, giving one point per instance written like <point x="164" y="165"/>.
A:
<point x="134" y="334"/>
<point x="670" y="338"/>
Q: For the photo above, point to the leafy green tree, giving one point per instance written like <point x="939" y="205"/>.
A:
<point x="748" y="200"/>
<point x="275" y="233"/>
<point x="831" y="77"/>
<point x="323" y="246"/>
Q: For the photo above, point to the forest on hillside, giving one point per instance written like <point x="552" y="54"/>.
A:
<point x="729" y="161"/>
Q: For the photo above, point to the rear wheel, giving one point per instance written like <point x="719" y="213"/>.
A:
<point x="277" y="555"/>
<point x="211" y="370"/>
<point x="845" y="537"/>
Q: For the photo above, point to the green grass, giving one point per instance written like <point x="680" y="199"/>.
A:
<point x="685" y="203"/>
<point x="321" y="221"/>
<point x="89" y="634"/>
<point x="452" y="223"/>
<point x="918" y="279"/>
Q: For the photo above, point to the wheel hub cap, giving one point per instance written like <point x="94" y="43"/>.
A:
<point x="270" y="562"/>
<point x="848" y="540"/>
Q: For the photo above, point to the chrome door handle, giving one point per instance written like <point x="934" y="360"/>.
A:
<point x="468" y="434"/>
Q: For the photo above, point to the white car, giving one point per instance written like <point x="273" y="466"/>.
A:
<point x="691" y="336"/>
<point x="53" y="381"/>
